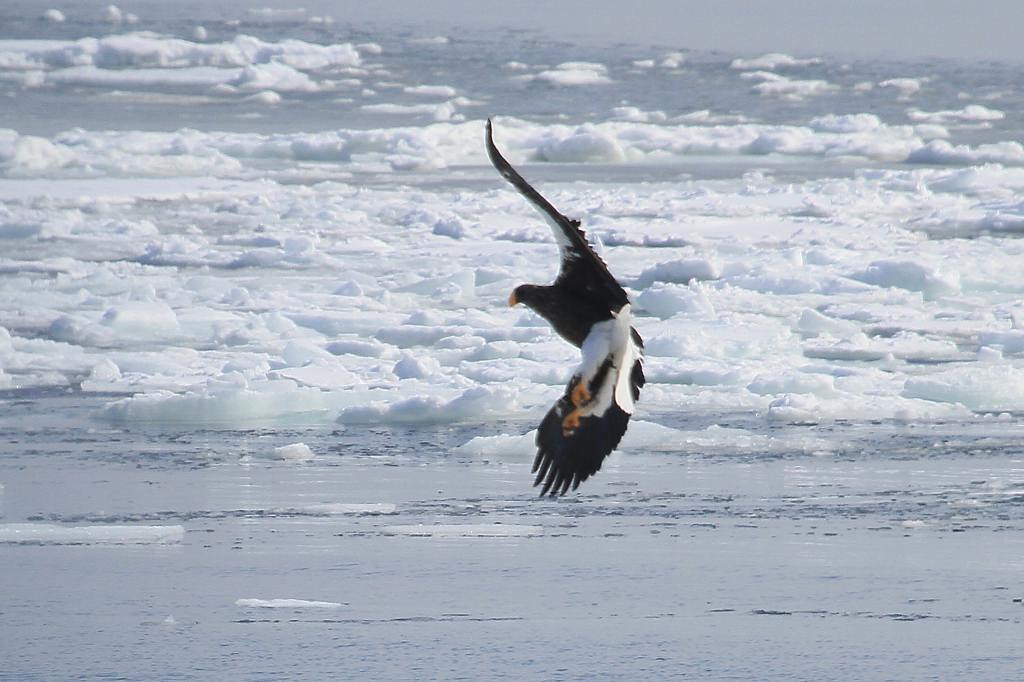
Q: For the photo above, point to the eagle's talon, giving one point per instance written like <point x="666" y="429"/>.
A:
<point x="570" y="423"/>
<point x="580" y="394"/>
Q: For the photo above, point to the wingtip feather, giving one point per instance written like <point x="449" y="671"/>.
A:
<point x="543" y="471"/>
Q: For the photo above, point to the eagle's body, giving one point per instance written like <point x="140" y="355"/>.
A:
<point x="589" y="309"/>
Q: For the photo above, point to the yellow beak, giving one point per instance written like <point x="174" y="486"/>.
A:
<point x="512" y="299"/>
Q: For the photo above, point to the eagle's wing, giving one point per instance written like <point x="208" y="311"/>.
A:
<point x="581" y="268"/>
<point x="587" y="423"/>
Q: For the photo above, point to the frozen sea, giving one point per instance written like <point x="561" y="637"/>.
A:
<point x="264" y="413"/>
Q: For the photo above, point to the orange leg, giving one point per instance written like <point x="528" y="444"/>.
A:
<point x="570" y="423"/>
<point x="580" y="394"/>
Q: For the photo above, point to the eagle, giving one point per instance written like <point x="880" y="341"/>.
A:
<point x="587" y="307"/>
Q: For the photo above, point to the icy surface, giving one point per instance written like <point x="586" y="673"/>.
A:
<point x="295" y="451"/>
<point x="254" y="347"/>
<point x="465" y="530"/>
<point x="286" y="604"/>
<point x="48" y="534"/>
<point x="826" y="542"/>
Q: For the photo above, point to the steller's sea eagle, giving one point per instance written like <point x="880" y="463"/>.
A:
<point x="587" y="308"/>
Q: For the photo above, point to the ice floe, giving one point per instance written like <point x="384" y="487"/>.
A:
<point x="912" y="276"/>
<point x="972" y="113"/>
<point x="449" y="142"/>
<point x="775" y="85"/>
<point x="252" y="603"/>
<point x="990" y="388"/>
<point x="944" y="152"/>
<point x="293" y="452"/>
<point x="572" y="74"/>
<point x="906" y="87"/>
<point x="355" y="271"/>
<point x="772" y="61"/>
<point x="476" y="403"/>
<point x="150" y="59"/>
<point x="348" y="508"/>
<point x="49" y="534"/>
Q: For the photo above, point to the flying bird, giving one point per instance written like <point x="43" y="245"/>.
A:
<point x="590" y="310"/>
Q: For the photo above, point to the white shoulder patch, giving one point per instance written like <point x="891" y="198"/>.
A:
<point x="611" y="339"/>
<point x="565" y="246"/>
<point x="630" y="354"/>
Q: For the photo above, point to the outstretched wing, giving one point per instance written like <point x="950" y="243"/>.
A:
<point x="581" y="269"/>
<point x="587" y="423"/>
<point x="564" y="459"/>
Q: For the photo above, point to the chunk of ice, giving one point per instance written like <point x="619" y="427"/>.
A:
<point x="294" y="452"/>
<point x="286" y="604"/>
<point x="49" y="534"/>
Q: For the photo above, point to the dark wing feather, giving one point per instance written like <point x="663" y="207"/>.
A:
<point x="581" y="268"/>
<point x="566" y="461"/>
<point x="563" y="461"/>
<point x="637" y="378"/>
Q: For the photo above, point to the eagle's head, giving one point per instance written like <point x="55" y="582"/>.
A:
<point x="530" y="295"/>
